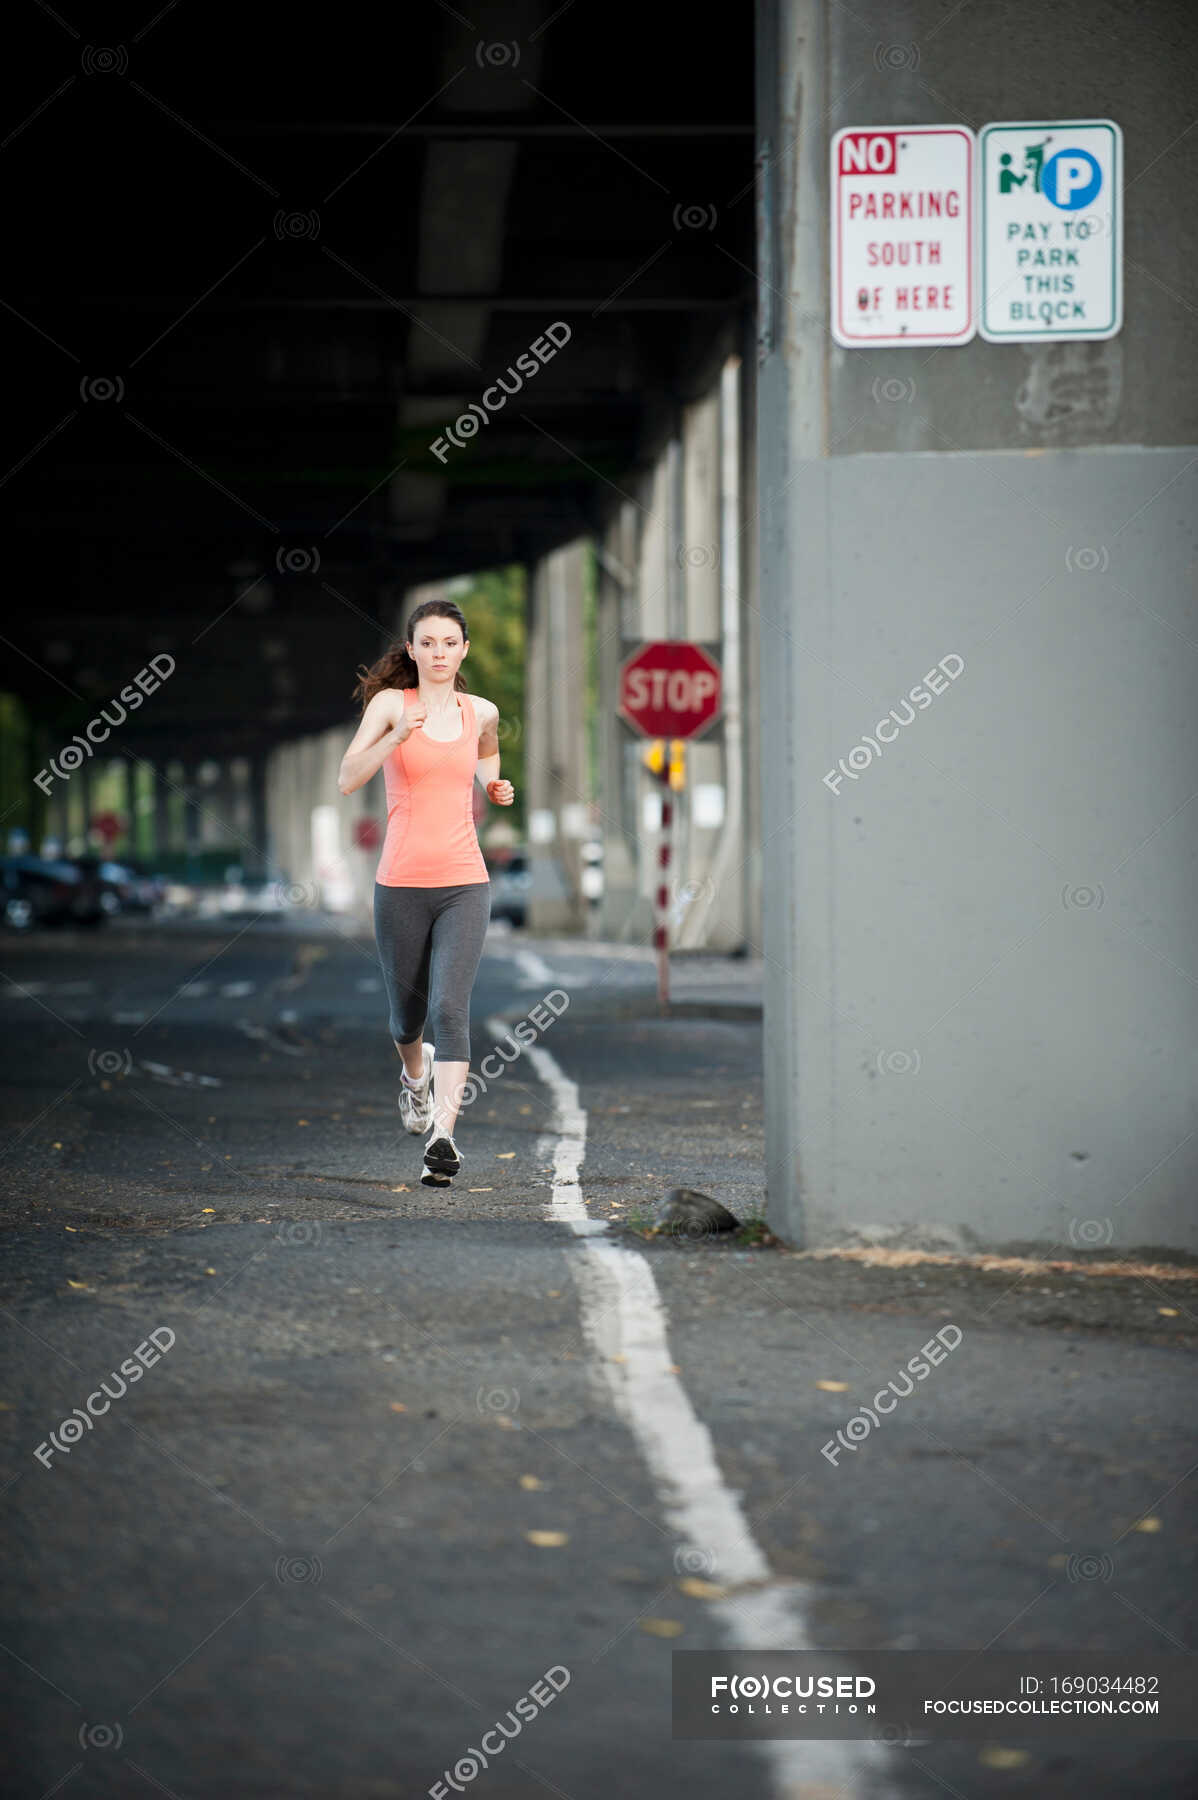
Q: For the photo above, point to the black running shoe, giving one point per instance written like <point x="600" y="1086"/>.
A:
<point x="442" y="1160"/>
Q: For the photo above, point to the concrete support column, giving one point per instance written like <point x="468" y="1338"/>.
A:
<point x="82" y="785"/>
<point x="707" y="886"/>
<point x="35" y="746"/>
<point x="260" y="862"/>
<point x="978" y="724"/>
<point x="162" y="816"/>
<point x="192" y="825"/>
<point x="742" y="567"/>
<point x="131" y="768"/>
<point x="616" y="551"/>
<point x="555" y="743"/>
<point x="57" y="823"/>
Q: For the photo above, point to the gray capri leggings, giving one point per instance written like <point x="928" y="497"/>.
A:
<point x="430" y="943"/>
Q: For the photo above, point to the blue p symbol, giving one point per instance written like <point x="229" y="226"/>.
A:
<point x="1071" y="179"/>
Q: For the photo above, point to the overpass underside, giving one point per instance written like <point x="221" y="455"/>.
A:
<point x="539" y="294"/>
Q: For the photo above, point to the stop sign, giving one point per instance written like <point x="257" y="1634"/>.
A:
<point x="670" y="689"/>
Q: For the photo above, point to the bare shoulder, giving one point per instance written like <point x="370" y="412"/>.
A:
<point x="385" y="706"/>
<point x="486" y="710"/>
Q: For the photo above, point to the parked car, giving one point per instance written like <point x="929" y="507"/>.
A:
<point x="122" y="886"/>
<point x="510" y="882"/>
<point x="34" y="891"/>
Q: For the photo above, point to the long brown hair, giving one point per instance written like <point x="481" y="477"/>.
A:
<point x="395" y="668"/>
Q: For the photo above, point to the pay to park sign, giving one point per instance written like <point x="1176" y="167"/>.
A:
<point x="1051" y="230"/>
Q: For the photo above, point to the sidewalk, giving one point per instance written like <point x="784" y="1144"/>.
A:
<point x="710" y="981"/>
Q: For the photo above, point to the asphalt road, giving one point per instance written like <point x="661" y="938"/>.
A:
<point x="405" y="1450"/>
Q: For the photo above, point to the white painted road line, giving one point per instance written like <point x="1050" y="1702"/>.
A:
<point x="535" y="970"/>
<point x="622" y="1315"/>
<point x="178" y="1077"/>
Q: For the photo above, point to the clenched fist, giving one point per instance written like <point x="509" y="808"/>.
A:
<point x="501" y="792"/>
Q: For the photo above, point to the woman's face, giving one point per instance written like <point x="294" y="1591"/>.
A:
<point x="437" y="649"/>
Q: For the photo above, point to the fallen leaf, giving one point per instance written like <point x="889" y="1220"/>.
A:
<point x="69" y="1227"/>
<point x="531" y="1482"/>
<point x="702" y="1590"/>
<point x="209" y="1209"/>
<point x="398" y="1406"/>
<point x="526" y="1109"/>
<point x="548" y="1540"/>
<point x="503" y="1155"/>
<point x="301" y="1121"/>
<point x="1169" y="1312"/>
<point x="998" y="1756"/>
<point x="1149" y="1524"/>
<point x="405" y="1189"/>
<point x="78" y="1284"/>
<point x="56" y="1145"/>
<point x="662" y="1627"/>
<point x="210" y="1271"/>
<point x="480" y="1190"/>
<point x="833" y="1387"/>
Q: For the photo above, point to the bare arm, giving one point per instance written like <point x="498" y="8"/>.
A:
<point x="487" y="767"/>
<point x="381" y="729"/>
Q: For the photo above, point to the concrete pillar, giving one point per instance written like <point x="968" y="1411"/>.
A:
<point x="743" y="568"/>
<point x="260" y="860"/>
<point x="130" y="767"/>
<point x="555" y="759"/>
<point x="82" y="785"/>
<point x="57" y="823"/>
<point x="707" y="910"/>
<point x="616" y="550"/>
<point x="192" y="830"/>
<point x="162" y="816"/>
<point x="974" y="1034"/>
<point x="36" y="747"/>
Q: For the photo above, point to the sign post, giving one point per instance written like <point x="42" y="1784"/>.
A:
<point x="903" y="251"/>
<point x="668" y="690"/>
<point x="1051" y="230"/>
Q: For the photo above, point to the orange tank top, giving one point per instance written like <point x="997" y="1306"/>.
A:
<point x="431" y="840"/>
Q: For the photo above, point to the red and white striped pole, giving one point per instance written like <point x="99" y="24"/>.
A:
<point x="663" y="864"/>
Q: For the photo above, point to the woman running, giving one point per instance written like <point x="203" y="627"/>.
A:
<point x="432" y="893"/>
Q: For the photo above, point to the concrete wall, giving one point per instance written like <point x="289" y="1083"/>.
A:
<point x="980" y="1018"/>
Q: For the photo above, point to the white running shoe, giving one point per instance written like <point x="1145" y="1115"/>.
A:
<point x="416" y="1103"/>
<point x="442" y="1160"/>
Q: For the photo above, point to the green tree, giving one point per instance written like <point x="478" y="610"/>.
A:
<point x="495" y="603"/>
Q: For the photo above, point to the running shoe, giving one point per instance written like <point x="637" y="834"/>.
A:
<point x="442" y="1160"/>
<point x="416" y="1103"/>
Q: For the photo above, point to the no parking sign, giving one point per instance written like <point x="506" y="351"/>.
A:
<point x="1051" y="230"/>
